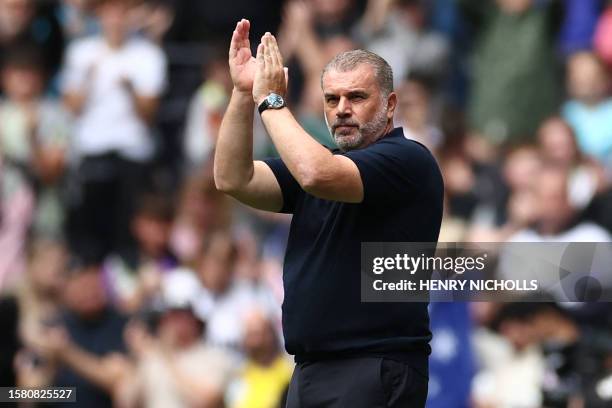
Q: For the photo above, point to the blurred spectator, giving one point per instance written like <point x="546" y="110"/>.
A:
<point x="224" y="299"/>
<point x="521" y="166"/>
<point x="415" y="111"/>
<point x="512" y="375"/>
<point x="205" y="112"/>
<point x="31" y="23"/>
<point x="202" y="209"/>
<point x="590" y="109"/>
<point x="39" y="297"/>
<point x="40" y="290"/>
<point x="460" y="187"/>
<point x="476" y="191"/>
<point x="153" y="19"/>
<point x="134" y="281"/>
<point x="554" y="217"/>
<point x="34" y="135"/>
<point x="263" y="379"/>
<point x="513" y="86"/>
<point x="574" y="365"/>
<point x="84" y="348"/>
<point x="174" y="367"/>
<point x="464" y="189"/>
<point x="112" y="84"/>
<point x="603" y="36"/>
<point x="397" y="31"/>
<point x="558" y="146"/>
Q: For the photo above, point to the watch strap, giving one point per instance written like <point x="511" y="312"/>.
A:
<point x="263" y="106"/>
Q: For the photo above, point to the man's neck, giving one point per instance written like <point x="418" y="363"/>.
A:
<point x="388" y="129"/>
<point x="114" y="42"/>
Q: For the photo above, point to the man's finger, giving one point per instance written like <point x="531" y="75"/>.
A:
<point x="261" y="64"/>
<point x="272" y="53"/>
<point x="286" y="71"/>
<point x="266" y="50"/>
<point x="276" y="52"/>
<point x="234" y="41"/>
<point x="240" y="37"/>
<point x="245" y="26"/>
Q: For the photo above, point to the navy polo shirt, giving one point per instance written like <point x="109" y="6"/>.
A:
<point x="323" y="315"/>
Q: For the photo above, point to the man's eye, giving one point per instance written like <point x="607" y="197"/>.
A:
<point x="332" y="101"/>
<point x="357" y="98"/>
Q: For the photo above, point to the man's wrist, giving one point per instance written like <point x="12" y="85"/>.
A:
<point x="267" y="111"/>
<point x="243" y="95"/>
<point x="271" y="101"/>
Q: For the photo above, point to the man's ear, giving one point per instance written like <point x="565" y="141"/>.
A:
<point x="391" y="104"/>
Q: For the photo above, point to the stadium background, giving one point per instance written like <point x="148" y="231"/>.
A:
<point x="172" y="298"/>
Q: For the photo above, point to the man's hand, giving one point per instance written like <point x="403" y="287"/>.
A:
<point x="270" y="76"/>
<point x="241" y="61"/>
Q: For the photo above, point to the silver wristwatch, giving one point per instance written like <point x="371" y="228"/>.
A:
<point x="272" y="101"/>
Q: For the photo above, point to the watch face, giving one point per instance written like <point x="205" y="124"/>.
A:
<point x="275" y="101"/>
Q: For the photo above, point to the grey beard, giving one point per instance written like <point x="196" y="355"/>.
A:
<point x="366" y="133"/>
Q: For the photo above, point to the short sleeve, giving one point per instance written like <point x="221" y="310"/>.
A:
<point x="150" y="78"/>
<point x="290" y="188"/>
<point x="394" y="173"/>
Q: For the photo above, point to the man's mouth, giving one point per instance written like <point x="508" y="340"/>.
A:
<point x="344" y="128"/>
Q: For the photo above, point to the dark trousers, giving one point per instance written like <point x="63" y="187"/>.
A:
<point x="107" y="188"/>
<point x="368" y="382"/>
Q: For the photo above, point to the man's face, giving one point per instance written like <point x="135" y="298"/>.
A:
<point x="259" y="337"/>
<point x="15" y="15"/>
<point x="587" y="81"/>
<point x="356" y="112"/>
<point x="114" y="18"/>
<point x="22" y="84"/>
<point x="85" y="294"/>
<point x="152" y="234"/>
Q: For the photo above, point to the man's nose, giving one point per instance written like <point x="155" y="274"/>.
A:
<point x="344" y="108"/>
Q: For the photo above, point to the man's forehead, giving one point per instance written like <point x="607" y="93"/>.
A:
<point x="361" y="77"/>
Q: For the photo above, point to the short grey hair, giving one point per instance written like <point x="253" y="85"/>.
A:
<point x="349" y="60"/>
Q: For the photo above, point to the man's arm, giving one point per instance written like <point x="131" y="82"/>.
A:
<point x="252" y="183"/>
<point x="317" y="170"/>
<point x="105" y="372"/>
<point x="236" y="174"/>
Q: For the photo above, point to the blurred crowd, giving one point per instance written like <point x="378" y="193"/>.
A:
<point x="125" y="273"/>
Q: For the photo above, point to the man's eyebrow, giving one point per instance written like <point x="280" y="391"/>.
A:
<point x="357" y="92"/>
